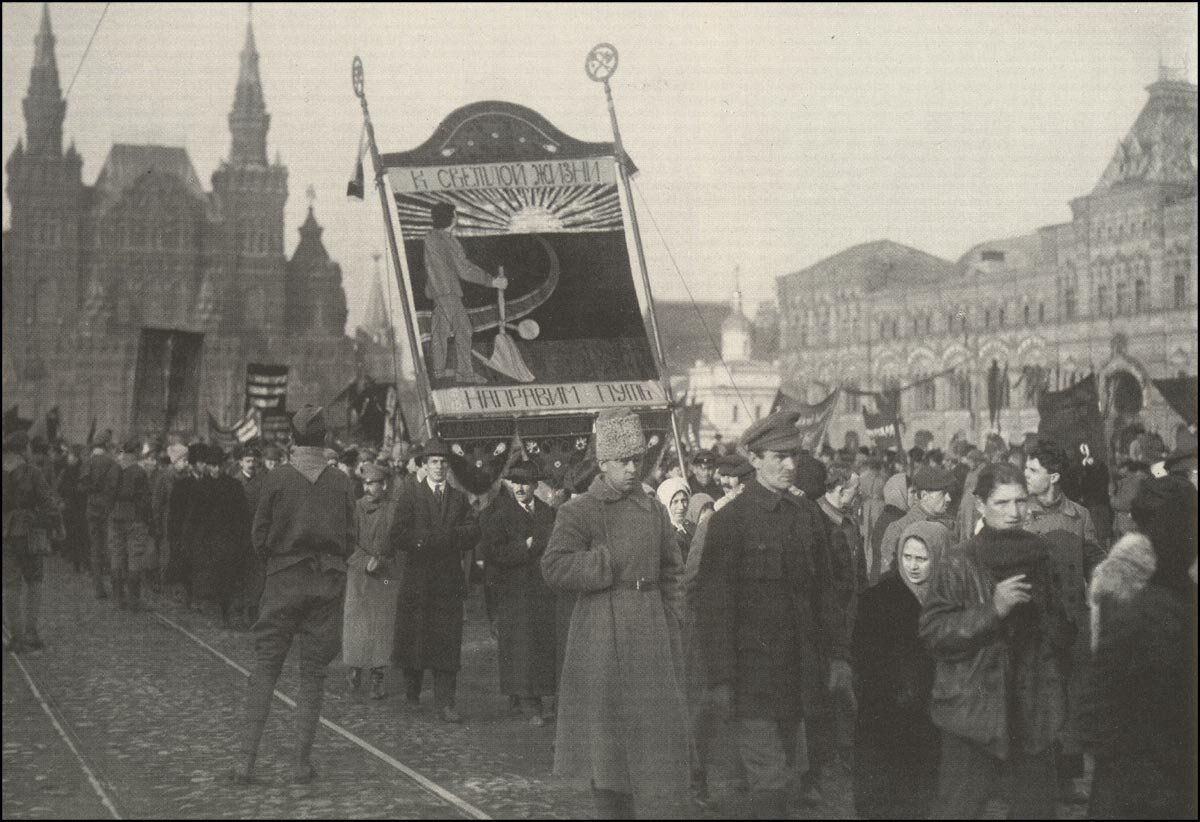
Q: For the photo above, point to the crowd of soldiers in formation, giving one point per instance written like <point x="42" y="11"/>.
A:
<point x="937" y="624"/>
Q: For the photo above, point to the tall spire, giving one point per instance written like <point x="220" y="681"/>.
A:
<point x="249" y="121"/>
<point x="44" y="105"/>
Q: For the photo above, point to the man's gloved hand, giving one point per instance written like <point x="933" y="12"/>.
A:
<point x="840" y="678"/>
<point x="721" y="698"/>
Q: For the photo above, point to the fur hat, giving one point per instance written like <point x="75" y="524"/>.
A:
<point x="1122" y="574"/>
<point x="619" y="435"/>
<point x="176" y="452"/>
<point x="309" y="422"/>
<point x="214" y="455"/>
<point x="195" y="452"/>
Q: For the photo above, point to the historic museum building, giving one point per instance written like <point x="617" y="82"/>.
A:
<point x="1111" y="292"/>
<point x="138" y="301"/>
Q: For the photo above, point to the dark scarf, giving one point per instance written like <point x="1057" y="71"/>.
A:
<point x="1009" y="553"/>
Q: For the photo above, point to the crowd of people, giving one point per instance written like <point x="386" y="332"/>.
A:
<point x="940" y="625"/>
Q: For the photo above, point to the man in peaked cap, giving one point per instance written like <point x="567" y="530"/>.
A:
<point x="766" y="573"/>
<point x="304" y="530"/>
<point x="622" y="716"/>
<point x="29" y="508"/>
<point x="733" y="472"/>
<point x="435" y="526"/>
<point x="933" y="487"/>
<point x="704" y="465"/>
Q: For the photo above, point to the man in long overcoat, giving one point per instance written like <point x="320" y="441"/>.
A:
<point x="770" y="615"/>
<point x="435" y="526"/>
<point x="622" y="717"/>
<point x="95" y="478"/>
<point x="215" y="534"/>
<point x="515" y="535"/>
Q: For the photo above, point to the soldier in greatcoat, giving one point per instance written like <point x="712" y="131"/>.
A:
<point x="515" y="534"/>
<point x="770" y="615"/>
<point x="435" y="527"/>
<point x="622" y="716"/>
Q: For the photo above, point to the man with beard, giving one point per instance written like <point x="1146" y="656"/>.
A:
<point x="435" y="526"/>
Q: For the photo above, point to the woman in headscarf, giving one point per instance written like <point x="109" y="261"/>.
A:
<point x="895" y="742"/>
<point x="674" y="493"/>
<point x="1139" y="708"/>
<point x="895" y="505"/>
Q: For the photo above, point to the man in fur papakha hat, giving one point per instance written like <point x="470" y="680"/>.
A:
<point x="622" y="717"/>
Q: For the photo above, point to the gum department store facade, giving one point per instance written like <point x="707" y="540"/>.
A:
<point x="89" y="270"/>
<point x="1113" y="291"/>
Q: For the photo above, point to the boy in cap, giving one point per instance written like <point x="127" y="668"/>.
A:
<point x="622" y="715"/>
<point x="733" y="472"/>
<point x="770" y="614"/>
<point x="304" y="529"/>
<point x="435" y="525"/>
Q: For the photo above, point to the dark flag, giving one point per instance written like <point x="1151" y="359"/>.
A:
<point x="1071" y="417"/>
<point x="813" y="421"/>
<point x="783" y="401"/>
<point x="356" y="187"/>
<point x="692" y="418"/>
<point x="883" y="427"/>
<point x="1180" y="394"/>
<point x="266" y="386"/>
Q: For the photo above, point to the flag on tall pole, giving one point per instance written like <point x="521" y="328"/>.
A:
<point x="356" y="188"/>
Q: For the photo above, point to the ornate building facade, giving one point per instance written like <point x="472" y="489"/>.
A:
<point x="145" y="285"/>
<point x="1111" y="292"/>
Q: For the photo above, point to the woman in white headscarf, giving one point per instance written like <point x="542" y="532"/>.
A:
<point x="674" y="493"/>
<point x="895" y="743"/>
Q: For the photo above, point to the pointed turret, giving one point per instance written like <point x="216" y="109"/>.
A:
<point x="736" y="329"/>
<point x="249" y="121"/>
<point x="376" y="323"/>
<point x="44" y="105"/>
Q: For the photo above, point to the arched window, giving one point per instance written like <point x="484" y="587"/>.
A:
<point x="1102" y="299"/>
<point x="1122" y="297"/>
<point x="1139" y="296"/>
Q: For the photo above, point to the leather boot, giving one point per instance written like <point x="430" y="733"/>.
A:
<point x="308" y="717"/>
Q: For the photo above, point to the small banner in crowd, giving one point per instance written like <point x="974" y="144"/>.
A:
<point x="883" y="426"/>
<point x="245" y="430"/>
<point x="266" y="386"/>
<point x="276" y="426"/>
<point x="1071" y="417"/>
<point x="813" y="421"/>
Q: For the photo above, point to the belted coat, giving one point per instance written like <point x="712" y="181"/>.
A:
<point x="433" y="539"/>
<point x="622" y="717"/>
<point x="770" y="616"/>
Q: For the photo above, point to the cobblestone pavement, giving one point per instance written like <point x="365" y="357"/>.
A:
<point x="156" y="715"/>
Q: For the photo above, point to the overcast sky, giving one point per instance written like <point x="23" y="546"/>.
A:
<point x="767" y="137"/>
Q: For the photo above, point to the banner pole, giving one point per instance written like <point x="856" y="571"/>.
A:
<point x="600" y="65"/>
<point x="381" y="185"/>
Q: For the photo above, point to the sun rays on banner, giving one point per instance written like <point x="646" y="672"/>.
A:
<point x="563" y="448"/>
<point x="492" y="211"/>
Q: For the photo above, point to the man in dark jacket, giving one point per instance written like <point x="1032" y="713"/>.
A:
<point x="215" y="532"/>
<point x="996" y="623"/>
<point x="95" y="478"/>
<point x="702" y="481"/>
<point x="515" y="534"/>
<point x="130" y="547"/>
<point x="29" y="516"/>
<point x="769" y="613"/>
<point x="304" y="529"/>
<point x="435" y="526"/>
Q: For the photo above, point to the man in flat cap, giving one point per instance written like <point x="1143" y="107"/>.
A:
<point x="769" y="614"/>
<point x="622" y="714"/>
<point x="516" y="531"/>
<point x="704" y="465"/>
<point x="733" y="472"/>
<point x="304" y="528"/>
<point x="435" y="526"/>
<point x="95" y="479"/>
<point x="933" y="487"/>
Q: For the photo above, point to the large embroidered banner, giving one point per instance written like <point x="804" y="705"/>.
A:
<point x="515" y="252"/>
